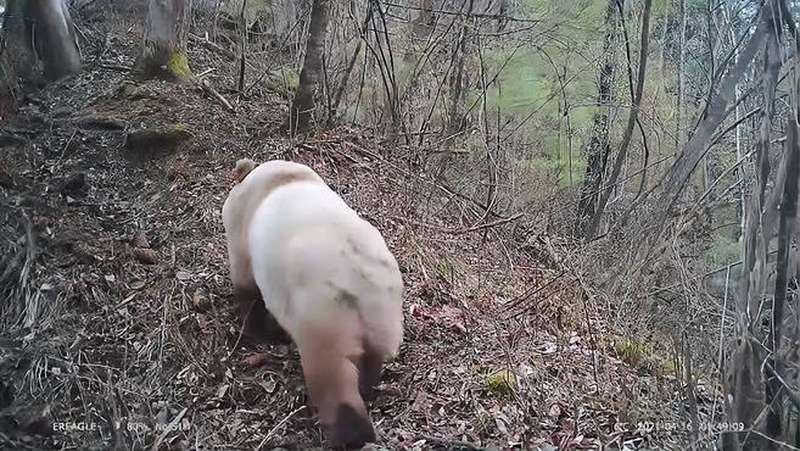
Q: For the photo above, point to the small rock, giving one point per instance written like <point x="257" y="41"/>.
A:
<point x="183" y="275"/>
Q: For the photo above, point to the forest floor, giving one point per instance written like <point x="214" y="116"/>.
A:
<point x="121" y="284"/>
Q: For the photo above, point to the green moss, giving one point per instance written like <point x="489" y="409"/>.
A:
<point x="501" y="382"/>
<point x="178" y="65"/>
<point x="630" y="351"/>
<point x="283" y="81"/>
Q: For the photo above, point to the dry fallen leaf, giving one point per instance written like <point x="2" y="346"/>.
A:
<point x="555" y="411"/>
<point x="200" y="300"/>
<point x="268" y="386"/>
<point x="222" y="391"/>
<point x="140" y="240"/>
<point x="145" y="256"/>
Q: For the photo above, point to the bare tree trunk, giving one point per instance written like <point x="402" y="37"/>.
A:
<point x="42" y="29"/>
<point x="681" y="88"/>
<point x="785" y="272"/>
<point x="746" y="390"/>
<point x="598" y="149"/>
<point x="774" y="393"/>
<point x="665" y="38"/>
<point x="303" y="106"/>
<point x="632" y="117"/>
<point x="165" y="33"/>
<point x="337" y="98"/>
<point x="697" y="145"/>
<point x="456" y="119"/>
<point x="423" y="24"/>
<point x="243" y="43"/>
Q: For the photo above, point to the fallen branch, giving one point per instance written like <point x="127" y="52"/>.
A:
<point x="280" y="423"/>
<point x="215" y="47"/>
<point x="213" y="92"/>
<point x="486" y="225"/>
<point x="794" y="397"/>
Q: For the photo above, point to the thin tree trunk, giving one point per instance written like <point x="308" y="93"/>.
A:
<point x="785" y="272"/>
<point x="598" y="149"/>
<point x="681" y="88"/>
<point x="243" y="43"/>
<point x="727" y="11"/>
<point x="165" y="33"/>
<point x="47" y="25"/>
<point x="626" y="138"/>
<point x="311" y="73"/>
<point x="665" y="38"/>
<point x="746" y="390"/>
<point x="456" y="119"/>
<point x="697" y="145"/>
<point x="423" y="24"/>
<point x="772" y="66"/>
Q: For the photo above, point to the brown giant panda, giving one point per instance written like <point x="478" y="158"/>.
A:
<point x="326" y="276"/>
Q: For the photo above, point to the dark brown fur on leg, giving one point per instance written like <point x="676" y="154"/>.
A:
<point x="351" y="430"/>
<point x="258" y="325"/>
<point x="369" y="374"/>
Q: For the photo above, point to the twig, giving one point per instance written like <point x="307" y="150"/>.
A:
<point x="119" y="67"/>
<point x="451" y="444"/>
<point x="223" y="51"/>
<point x="243" y="46"/>
<point x="280" y="423"/>
<point x="529" y="294"/>
<point x="487" y="225"/>
<point x="204" y="73"/>
<point x="207" y="88"/>
<point x="172" y="426"/>
<point x="793" y="396"/>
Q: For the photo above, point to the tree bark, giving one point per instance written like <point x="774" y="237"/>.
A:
<point x="681" y="84"/>
<point x="165" y="35"/>
<point x="311" y="73"/>
<point x="605" y="192"/>
<point x="746" y="389"/>
<point x="456" y="120"/>
<point x="785" y="271"/>
<point x="697" y="145"/>
<point x="42" y="29"/>
<point x="598" y="149"/>
<point x="425" y="21"/>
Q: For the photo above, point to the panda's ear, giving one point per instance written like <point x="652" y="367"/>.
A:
<point x="242" y="168"/>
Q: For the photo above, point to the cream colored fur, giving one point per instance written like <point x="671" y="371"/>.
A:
<point x="325" y="274"/>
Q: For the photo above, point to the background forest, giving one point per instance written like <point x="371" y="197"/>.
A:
<point x="593" y="202"/>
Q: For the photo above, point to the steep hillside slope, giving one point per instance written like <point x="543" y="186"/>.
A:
<point x="120" y="285"/>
